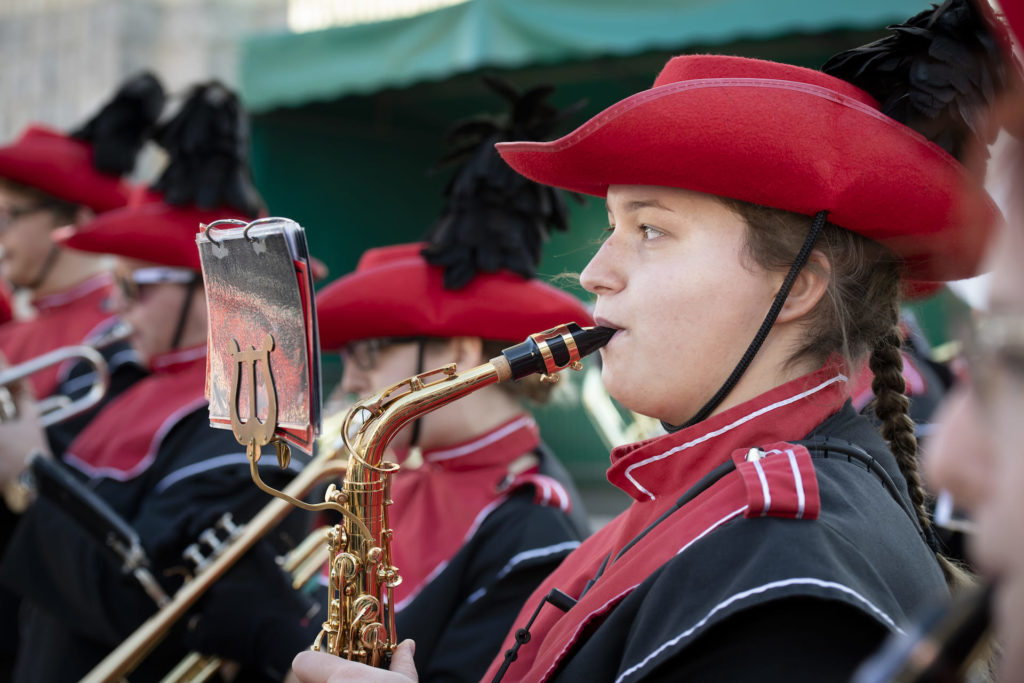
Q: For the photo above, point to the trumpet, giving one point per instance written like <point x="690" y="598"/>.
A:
<point x="55" y="409"/>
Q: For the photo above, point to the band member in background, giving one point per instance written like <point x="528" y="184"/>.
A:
<point x="775" y="535"/>
<point x="50" y="179"/>
<point x="150" y="454"/>
<point x="483" y="510"/>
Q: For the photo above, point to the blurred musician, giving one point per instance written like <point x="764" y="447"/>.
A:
<point x="150" y="454"/>
<point x="50" y="179"/>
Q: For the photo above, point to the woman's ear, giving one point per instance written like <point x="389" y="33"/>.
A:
<point x="808" y="288"/>
<point x="83" y="215"/>
<point x="467" y="352"/>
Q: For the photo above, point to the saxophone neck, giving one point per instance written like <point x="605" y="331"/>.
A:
<point x="389" y="411"/>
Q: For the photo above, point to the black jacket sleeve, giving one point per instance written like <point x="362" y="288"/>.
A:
<point x="797" y="640"/>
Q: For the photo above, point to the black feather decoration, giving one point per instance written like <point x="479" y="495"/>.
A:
<point x="494" y="218"/>
<point x="935" y="73"/>
<point x="121" y="127"/>
<point x="207" y="141"/>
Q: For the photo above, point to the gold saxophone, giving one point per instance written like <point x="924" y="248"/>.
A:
<point x="360" y="623"/>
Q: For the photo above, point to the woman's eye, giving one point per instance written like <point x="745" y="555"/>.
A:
<point x="650" y="232"/>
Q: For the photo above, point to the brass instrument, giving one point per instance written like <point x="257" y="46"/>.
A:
<point x="360" y="622"/>
<point x="302" y="562"/>
<point x="950" y="644"/>
<point x="57" y="408"/>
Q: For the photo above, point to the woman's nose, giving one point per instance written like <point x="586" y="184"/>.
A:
<point x="354" y="381"/>
<point x="959" y="456"/>
<point x="603" y="275"/>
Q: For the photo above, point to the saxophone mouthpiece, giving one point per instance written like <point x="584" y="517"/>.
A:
<point x="556" y="349"/>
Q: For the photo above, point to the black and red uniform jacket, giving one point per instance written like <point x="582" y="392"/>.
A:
<point x="790" y="567"/>
<point x="474" y="535"/>
<point x="74" y="316"/>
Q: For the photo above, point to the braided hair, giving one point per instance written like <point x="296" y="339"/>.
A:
<point x="858" y="319"/>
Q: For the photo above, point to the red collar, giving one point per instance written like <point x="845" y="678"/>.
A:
<point x="655" y="473"/>
<point x="69" y="296"/>
<point x="674" y="462"/>
<point x="124" y="439"/>
<point x="499" y="446"/>
<point x="178" y="360"/>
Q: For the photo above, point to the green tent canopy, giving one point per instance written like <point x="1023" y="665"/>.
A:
<point x="295" y="69"/>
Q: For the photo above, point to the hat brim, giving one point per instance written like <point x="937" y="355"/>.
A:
<point x="406" y="298"/>
<point x="152" y="231"/>
<point x="787" y="145"/>
<point x="62" y="167"/>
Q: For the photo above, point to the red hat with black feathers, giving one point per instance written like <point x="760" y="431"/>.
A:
<point x="801" y="140"/>
<point x="394" y="292"/>
<point x="206" y="179"/>
<point x="474" y="275"/>
<point x="86" y="166"/>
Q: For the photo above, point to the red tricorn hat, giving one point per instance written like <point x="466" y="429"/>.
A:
<point x="62" y="167"/>
<point x="149" y="230"/>
<point x="394" y="292"/>
<point x="785" y="137"/>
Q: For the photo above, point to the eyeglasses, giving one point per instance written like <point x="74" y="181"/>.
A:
<point x="11" y="215"/>
<point x="365" y="353"/>
<point x="130" y="286"/>
<point x="994" y="350"/>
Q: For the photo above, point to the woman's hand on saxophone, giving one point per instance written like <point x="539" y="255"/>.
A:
<point x="320" y="667"/>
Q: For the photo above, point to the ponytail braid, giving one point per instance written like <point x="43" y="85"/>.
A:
<point x="857" y="318"/>
<point x="891" y="405"/>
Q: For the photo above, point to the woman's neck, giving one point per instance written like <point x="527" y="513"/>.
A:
<point x="69" y="269"/>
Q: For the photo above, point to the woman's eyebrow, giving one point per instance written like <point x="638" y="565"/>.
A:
<point x="637" y="204"/>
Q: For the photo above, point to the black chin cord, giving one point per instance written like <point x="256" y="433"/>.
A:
<point x="766" y="327"/>
<point x="186" y="306"/>
<point x="48" y="264"/>
<point x="421" y="347"/>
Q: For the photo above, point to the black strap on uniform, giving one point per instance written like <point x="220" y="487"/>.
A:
<point x="186" y="306"/>
<point x="522" y="635"/>
<point x="766" y="326"/>
<point x="421" y="349"/>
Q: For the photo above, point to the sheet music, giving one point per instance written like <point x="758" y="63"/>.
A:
<point x="259" y="283"/>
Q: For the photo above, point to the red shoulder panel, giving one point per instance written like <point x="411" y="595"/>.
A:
<point x="779" y="480"/>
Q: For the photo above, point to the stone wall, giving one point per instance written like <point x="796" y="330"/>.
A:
<point x="59" y="59"/>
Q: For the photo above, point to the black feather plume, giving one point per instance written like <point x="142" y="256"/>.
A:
<point x="122" y="126"/>
<point x="935" y="73"/>
<point x="494" y="218"/>
<point x="207" y="141"/>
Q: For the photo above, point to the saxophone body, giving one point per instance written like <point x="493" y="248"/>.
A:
<point x="360" y="623"/>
